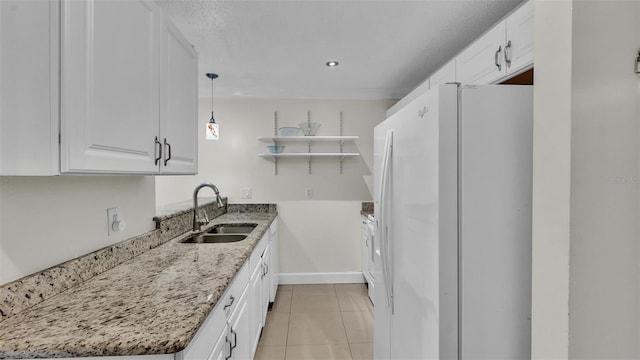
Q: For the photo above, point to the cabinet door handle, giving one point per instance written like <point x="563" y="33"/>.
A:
<point x="168" y="151"/>
<point x="231" y="300"/>
<point x="235" y="340"/>
<point x="507" y="54"/>
<point x="226" y="340"/>
<point x="266" y="269"/>
<point x="496" y="58"/>
<point x="159" y="150"/>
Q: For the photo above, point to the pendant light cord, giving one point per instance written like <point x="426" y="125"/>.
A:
<point x="212" y="76"/>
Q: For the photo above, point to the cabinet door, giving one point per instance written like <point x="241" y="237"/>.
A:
<point x="483" y="61"/>
<point x="364" y="246"/>
<point x="446" y="74"/>
<point x="179" y="102"/>
<point x="239" y="329"/>
<point x="29" y="84"/>
<point x="255" y="304"/>
<point x="275" y="260"/>
<point x="266" y="282"/>
<point x="519" y="38"/>
<point x="222" y="348"/>
<point x="109" y="86"/>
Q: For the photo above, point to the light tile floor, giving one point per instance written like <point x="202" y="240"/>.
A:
<point x="318" y="322"/>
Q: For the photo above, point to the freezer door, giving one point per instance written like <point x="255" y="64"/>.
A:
<point x="495" y="222"/>
<point x="407" y="313"/>
<point x="381" y="310"/>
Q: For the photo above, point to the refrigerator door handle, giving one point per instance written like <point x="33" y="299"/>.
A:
<point x="383" y="224"/>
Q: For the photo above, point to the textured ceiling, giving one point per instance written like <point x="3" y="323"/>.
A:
<point x="277" y="49"/>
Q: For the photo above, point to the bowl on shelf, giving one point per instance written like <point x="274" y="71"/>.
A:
<point x="275" y="149"/>
<point x="309" y="128"/>
<point x="289" y="131"/>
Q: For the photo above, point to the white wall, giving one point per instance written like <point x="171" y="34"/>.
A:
<point x="586" y="187"/>
<point x="47" y="220"/>
<point x="551" y="180"/>
<point x="319" y="236"/>
<point x="605" y="278"/>
<point x="324" y="228"/>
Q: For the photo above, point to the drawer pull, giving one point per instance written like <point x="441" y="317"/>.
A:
<point x="231" y="300"/>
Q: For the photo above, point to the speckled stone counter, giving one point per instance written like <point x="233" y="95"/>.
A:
<point x="151" y="304"/>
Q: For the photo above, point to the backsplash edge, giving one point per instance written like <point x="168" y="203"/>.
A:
<point x="23" y="293"/>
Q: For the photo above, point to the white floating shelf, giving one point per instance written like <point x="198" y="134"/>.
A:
<point x="308" y="155"/>
<point x="307" y="138"/>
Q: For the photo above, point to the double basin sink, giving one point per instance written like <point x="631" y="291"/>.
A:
<point x="222" y="233"/>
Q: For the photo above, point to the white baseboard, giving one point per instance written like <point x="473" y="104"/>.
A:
<point x="321" y="278"/>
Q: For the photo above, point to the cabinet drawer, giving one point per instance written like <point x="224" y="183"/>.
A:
<point x="254" y="260"/>
<point x="231" y="296"/>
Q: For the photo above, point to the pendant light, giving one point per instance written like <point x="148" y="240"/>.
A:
<point x="212" y="129"/>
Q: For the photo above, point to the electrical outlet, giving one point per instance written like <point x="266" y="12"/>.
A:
<point x="245" y="193"/>
<point x="308" y="193"/>
<point x="115" y="223"/>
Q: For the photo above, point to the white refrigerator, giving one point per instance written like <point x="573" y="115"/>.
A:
<point x="453" y="183"/>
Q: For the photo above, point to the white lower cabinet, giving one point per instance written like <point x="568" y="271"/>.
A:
<point x="259" y="288"/>
<point x="266" y="283"/>
<point x="232" y="330"/>
<point x="233" y="342"/>
<point x="222" y="348"/>
<point x="255" y="289"/>
<point x="239" y="331"/>
<point x="229" y="313"/>
<point x="274" y="266"/>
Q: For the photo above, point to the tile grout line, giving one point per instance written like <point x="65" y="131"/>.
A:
<point x="286" y="343"/>
<point x="344" y="327"/>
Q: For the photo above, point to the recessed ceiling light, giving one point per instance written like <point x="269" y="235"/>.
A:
<point x="332" y="63"/>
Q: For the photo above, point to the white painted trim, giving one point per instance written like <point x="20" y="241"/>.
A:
<point x="321" y="278"/>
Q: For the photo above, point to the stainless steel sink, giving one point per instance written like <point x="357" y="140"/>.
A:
<point x="232" y="229"/>
<point x="214" y="238"/>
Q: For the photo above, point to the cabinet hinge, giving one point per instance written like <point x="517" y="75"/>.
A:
<point x="59" y="138"/>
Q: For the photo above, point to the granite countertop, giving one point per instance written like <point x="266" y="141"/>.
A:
<point x="151" y="304"/>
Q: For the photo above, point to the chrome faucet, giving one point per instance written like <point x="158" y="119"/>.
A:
<point x="198" y="222"/>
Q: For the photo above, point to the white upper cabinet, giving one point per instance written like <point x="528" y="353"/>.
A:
<point x="519" y="45"/>
<point x="446" y="74"/>
<point x="178" y="102"/>
<point x="504" y="50"/>
<point x="483" y="61"/>
<point x="110" y="89"/>
<point x="102" y="87"/>
<point x="29" y="87"/>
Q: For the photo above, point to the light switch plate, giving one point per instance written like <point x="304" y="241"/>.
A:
<point x="245" y="193"/>
<point x="308" y="193"/>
